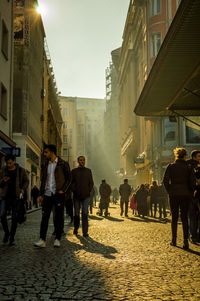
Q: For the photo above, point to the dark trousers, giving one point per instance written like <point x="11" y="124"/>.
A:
<point x="194" y="218"/>
<point x="122" y="202"/>
<point x="35" y="203"/>
<point x="103" y="205"/>
<point x="13" y="206"/>
<point x="69" y="208"/>
<point x="155" y="208"/>
<point x="56" y="201"/>
<point x="78" y="205"/>
<point x="162" y="208"/>
<point x="182" y="203"/>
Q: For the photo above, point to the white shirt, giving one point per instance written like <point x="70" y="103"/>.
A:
<point x="51" y="181"/>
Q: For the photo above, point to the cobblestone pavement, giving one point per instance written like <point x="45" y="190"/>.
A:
<point x="124" y="259"/>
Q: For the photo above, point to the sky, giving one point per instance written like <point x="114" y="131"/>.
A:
<point x="81" y="35"/>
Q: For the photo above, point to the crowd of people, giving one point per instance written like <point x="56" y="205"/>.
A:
<point x="74" y="192"/>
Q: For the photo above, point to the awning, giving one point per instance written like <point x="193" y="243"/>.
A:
<point x="173" y="85"/>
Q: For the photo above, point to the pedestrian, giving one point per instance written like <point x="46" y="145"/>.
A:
<point x="133" y="204"/>
<point x="55" y="181"/>
<point x="125" y="192"/>
<point x="13" y="184"/>
<point x="115" y="194"/>
<point x="105" y="192"/>
<point x="34" y="194"/>
<point x="162" y="198"/>
<point x="141" y="200"/>
<point x="179" y="181"/>
<point x="194" y="213"/>
<point x="82" y="184"/>
<point x="153" y="192"/>
<point x="69" y="205"/>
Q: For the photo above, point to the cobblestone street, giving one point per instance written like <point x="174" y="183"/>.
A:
<point x="123" y="259"/>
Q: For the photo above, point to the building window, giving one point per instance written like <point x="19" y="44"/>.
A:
<point x="3" y="101"/>
<point x="65" y="138"/>
<point x="155" y="44"/>
<point x="65" y="111"/>
<point x="155" y="7"/>
<point x="4" y="41"/>
<point x="192" y="131"/>
<point x="65" y="125"/>
<point x="170" y="129"/>
<point x="64" y="152"/>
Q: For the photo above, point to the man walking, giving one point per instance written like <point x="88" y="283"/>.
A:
<point x="55" y="181"/>
<point x="35" y="194"/>
<point x="105" y="193"/>
<point x="13" y="184"/>
<point x="82" y="184"/>
<point x="125" y="192"/>
<point x="194" y="213"/>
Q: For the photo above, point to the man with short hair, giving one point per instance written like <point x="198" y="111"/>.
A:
<point x="82" y="184"/>
<point x="125" y="192"/>
<point x="13" y="184"/>
<point x="55" y="181"/>
<point x="194" y="214"/>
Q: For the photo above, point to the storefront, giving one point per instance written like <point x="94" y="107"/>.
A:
<point x="5" y="143"/>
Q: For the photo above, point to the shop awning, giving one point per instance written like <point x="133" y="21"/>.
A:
<point x="173" y="85"/>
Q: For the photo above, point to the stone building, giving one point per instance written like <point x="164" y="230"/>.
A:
<point x="69" y="132"/>
<point x="146" y="142"/>
<point x="111" y="121"/>
<point x="6" y="77"/>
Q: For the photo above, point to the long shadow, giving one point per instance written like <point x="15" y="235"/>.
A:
<point x="92" y="246"/>
<point x="114" y="219"/>
<point x="53" y="273"/>
<point x="147" y="220"/>
<point x="189" y="251"/>
<point x="94" y="217"/>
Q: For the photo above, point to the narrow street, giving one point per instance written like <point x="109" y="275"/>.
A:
<point x="124" y="259"/>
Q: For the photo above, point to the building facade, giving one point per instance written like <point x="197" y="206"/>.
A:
<point x="6" y="77"/>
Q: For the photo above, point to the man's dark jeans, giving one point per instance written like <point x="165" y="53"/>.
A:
<point x="122" y="202"/>
<point x="181" y="202"/>
<point x="78" y="204"/>
<point x="56" y="201"/>
<point x="13" y="205"/>
<point x="193" y="219"/>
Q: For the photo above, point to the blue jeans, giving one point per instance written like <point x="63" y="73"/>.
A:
<point x="78" y="205"/>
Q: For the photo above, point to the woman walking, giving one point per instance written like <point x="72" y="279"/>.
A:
<point x="179" y="181"/>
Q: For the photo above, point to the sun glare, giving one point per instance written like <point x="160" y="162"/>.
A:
<point x="41" y="10"/>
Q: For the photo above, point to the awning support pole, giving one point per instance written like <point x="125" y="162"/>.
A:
<point x="180" y="115"/>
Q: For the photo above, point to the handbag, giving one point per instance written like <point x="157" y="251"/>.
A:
<point x="21" y="212"/>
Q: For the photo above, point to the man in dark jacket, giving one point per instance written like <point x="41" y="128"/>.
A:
<point x="82" y="184"/>
<point x="179" y="181"/>
<point x="55" y="181"/>
<point x="125" y="192"/>
<point x="194" y="213"/>
<point x="105" y="192"/>
<point x="13" y="184"/>
<point x="35" y="193"/>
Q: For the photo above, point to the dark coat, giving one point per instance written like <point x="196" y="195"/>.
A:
<point x="62" y="176"/>
<point x="125" y="190"/>
<point x="141" y="200"/>
<point x="21" y="181"/>
<point x="154" y="191"/>
<point x="179" y="179"/>
<point x="105" y="190"/>
<point x="82" y="183"/>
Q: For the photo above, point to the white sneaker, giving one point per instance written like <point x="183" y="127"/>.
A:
<point x="40" y="244"/>
<point x="57" y="243"/>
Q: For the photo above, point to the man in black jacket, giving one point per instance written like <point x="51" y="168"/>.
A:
<point x="179" y="181"/>
<point x="194" y="213"/>
<point x="55" y="181"/>
<point x="13" y="184"/>
<point x="82" y="184"/>
<point x="125" y="192"/>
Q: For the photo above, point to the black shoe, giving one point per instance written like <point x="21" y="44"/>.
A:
<point x="194" y="241"/>
<point x="186" y="244"/>
<point x="126" y="215"/>
<point x="6" y="237"/>
<point x="54" y="233"/>
<point x="173" y="242"/>
<point x="86" y="235"/>
<point x="11" y="242"/>
<point x="63" y="233"/>
<point x="75" y="232"/>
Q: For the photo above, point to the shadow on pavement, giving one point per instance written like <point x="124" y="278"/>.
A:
<point x="93" y="246"/>
<point x="148" y="220"/>
<point x="95" y="217"/>
<point x="189" y="251"/>
<point x="114" y="219"/>
<point x="50" y="273"/>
